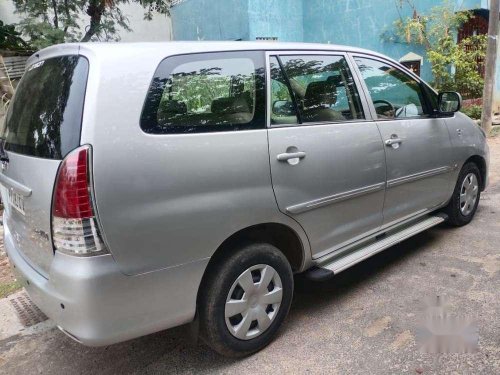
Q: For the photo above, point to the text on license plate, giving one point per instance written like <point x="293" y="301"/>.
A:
<point x="16" y="201"/>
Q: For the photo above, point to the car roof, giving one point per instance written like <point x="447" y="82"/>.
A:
<point x="154" y="49"/>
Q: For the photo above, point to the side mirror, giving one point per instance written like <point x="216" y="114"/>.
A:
<point x="449" y="102"/>
<point x="283" y="108"/>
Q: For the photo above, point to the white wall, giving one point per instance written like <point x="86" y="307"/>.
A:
<point x="158" y="29"/>
<point x="7" y="12"/>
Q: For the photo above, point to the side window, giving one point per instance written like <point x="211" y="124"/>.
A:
<point x="323" y="88"/>
<point x="394" y="93"/>
<point x="282" y="106"/>
<point x="206" y="92"/>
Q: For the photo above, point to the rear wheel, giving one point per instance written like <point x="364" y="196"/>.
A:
<point x="463" y="203"/>
<point x="245" y="300"/>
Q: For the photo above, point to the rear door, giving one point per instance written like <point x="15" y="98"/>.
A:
<point x="42" y="125"/>
<point x="417" y="145"/>
<point x="327" y="159"/>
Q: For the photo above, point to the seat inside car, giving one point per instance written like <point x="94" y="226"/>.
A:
<point x="318" y="99"/>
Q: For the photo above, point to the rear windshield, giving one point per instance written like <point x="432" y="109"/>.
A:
<point x="45" y="116"/>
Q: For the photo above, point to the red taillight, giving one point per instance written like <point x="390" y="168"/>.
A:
<point x="74" y="225"/>
<point x="72" y="196"/>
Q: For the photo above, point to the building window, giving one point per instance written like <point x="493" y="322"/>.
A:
<point x="414" y="66"/>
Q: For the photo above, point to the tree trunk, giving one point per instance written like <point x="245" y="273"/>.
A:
<point x="489" y="75"/>
<point x="56" y="18"/>
<point x="95" y="11"/>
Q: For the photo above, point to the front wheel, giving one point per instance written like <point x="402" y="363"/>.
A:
<point x="245" y="299"/>
<point x="463" y="203"/>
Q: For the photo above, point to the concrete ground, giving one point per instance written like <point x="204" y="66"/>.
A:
<point x="363" y="321"/>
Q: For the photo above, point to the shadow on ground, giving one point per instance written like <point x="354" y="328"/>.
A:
<point x="175" y="349"/>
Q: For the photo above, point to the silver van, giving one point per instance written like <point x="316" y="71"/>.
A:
<point x="156" y="184"/>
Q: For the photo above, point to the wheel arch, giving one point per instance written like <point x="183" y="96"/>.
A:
<point x="481" y="164"/>
<point x="286" y="239"/>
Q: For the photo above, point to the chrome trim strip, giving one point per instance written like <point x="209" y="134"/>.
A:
<point x="306" y="206"/>
<point x="10" y="183"/>
<point x="418" y="176"/>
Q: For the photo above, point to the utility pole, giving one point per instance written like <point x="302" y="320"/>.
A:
<point x="489" y="74"/>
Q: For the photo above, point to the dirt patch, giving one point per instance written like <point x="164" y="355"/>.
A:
<point x="402" y="340"/>
<point x="378" y="326"/>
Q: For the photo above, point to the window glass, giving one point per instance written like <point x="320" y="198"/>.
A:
<point x="394" y="93"/>
<point x="432" y="95"/>
<point x="204" y="92"/>
<point x="282" y="106"/>
<point x="45" y="116"/>
<point x="323" y="88"/>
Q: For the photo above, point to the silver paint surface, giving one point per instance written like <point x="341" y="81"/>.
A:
<point x="167" y="202"/>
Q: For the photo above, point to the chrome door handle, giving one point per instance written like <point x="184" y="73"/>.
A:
<point x="291" y="155"/>
<point x="393" y="141"/>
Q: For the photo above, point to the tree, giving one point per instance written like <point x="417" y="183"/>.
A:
<point x="454" y="65"/>
<point x="50" y="22"/>
<point x="491" y="66"/>
<point x="10" y="39"/>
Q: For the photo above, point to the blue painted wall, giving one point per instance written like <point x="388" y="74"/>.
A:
<point x="270" y="18"/>
<point x="363" y="23"/>
<point x="211" y="20"/>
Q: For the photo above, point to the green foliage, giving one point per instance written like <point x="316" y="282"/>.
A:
<point x="8" y="288"/>
<point x="10" y="39"/>
<point x="473" y="111"/>
<point x="454" y="65"/>
<point x="48" y="22"/>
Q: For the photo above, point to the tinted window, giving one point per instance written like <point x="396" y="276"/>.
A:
<point x="323" y="88"/>
<point x="205" y="92"/>
<point x="282" y="105"/>
<point x="394" y="93"/>
<point x="44" y="118"/>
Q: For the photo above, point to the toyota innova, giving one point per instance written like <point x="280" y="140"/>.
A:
<point x="151" y="185"/>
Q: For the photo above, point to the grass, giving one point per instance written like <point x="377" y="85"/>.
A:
<point x="8" y="288"/>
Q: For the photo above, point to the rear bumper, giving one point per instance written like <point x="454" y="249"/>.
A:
<point x="96" y="304"/>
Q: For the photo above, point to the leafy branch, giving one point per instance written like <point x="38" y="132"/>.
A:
<point x="455" y="65"/>
<point x="47" y="22"/>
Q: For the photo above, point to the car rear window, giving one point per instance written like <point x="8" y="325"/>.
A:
<point x="206" y="92"/>
<point x="44" y="119"/>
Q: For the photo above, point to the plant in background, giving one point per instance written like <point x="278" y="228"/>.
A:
<point x="48" y="22"/>
<point x="6" y="89"/>
<point x="10" y="39"/>
<point x="474" y="111"/>
<point x="454" y="65"/>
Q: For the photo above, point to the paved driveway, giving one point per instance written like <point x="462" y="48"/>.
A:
<point x="363" y="321"/>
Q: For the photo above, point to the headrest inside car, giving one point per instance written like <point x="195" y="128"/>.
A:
<point x="230" y="105"/>
<point x="320" y="93"/>
<point x="173" y="107"/>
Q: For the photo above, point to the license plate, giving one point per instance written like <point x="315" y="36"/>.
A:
<point x="17" y="201"/>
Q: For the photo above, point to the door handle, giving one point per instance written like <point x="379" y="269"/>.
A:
<point x="291" y="155"/>
<point x="393" y="141"/>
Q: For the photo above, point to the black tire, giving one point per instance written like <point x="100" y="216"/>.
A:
<point x="216" y="287"/>
<point x="455" y="216"/>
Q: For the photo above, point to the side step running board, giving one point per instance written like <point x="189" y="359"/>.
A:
<point x="342" y="262"/>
